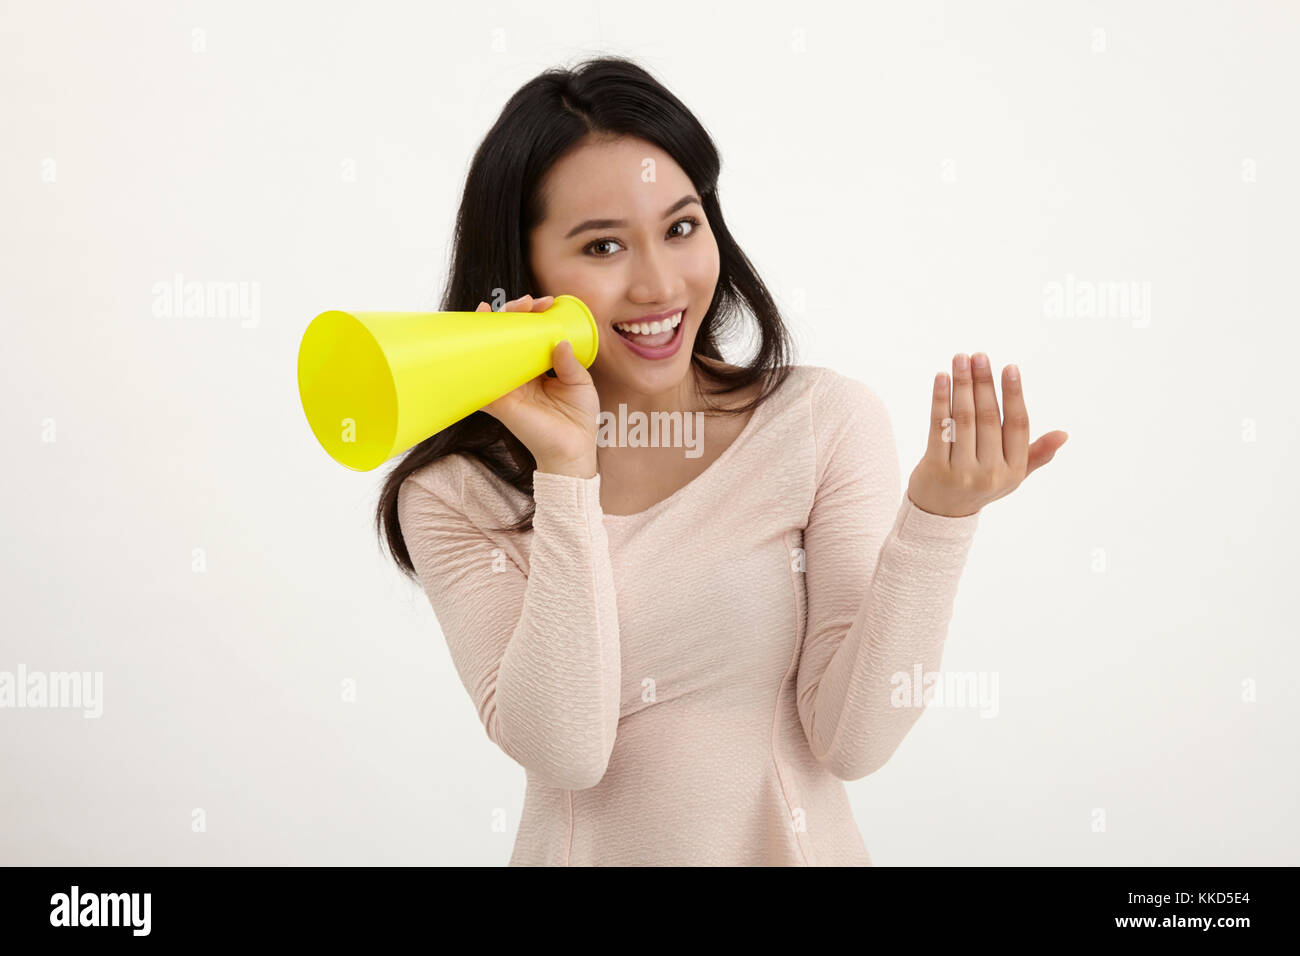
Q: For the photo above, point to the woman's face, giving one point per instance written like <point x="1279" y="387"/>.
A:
<point x="626" y="234"/>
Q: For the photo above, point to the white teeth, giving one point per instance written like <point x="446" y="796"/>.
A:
<point x="649" y="328"/>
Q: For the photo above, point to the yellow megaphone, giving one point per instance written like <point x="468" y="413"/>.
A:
<point x="375" y="383"/>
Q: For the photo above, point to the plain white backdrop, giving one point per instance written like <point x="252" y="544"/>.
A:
<point x="910" y="179"/>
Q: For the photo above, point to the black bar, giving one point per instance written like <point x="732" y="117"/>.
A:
<point x="336" y="904"/>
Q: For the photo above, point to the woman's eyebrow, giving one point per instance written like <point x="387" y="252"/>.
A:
<point x="610" y="223"/>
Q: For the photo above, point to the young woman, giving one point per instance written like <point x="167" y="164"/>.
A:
<point x="688" y="653"/>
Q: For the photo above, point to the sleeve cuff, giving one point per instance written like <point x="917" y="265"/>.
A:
<point x="914" y="524"/>
<point x="568" y="491"/>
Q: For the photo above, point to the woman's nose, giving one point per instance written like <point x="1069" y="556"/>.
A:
<point x="654" y="275"/>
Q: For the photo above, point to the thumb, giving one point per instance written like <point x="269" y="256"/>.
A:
<point x="1044" y="450"/>
<point x="567" y="367"/>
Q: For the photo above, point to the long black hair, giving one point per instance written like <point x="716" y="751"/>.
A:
<point x="544" y="119"/>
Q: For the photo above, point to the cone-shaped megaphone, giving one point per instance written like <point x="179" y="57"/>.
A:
<point x="375" y="383"/>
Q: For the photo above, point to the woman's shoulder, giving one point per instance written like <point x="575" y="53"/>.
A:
<point x="459" y="486"/>
<point x="831" y="388"/>
<point x="829" y="391"/>
<point x="838" y="402"/>
<point x="792" y="381"/>
<point x="830" y="395"/>
<point x="443" y="478"/>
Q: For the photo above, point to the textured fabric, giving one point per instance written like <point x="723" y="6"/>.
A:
<point x="692" y="684"/>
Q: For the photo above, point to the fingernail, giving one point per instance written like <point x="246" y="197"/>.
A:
<point x="981" y="360"/>
<point x="959" y="362"/>
<point x="1013" y="373"/>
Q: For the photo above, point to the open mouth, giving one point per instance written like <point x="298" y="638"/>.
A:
<point x="653" y="336"/>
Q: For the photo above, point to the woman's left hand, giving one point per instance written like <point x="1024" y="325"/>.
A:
<point x="973" y="458"/>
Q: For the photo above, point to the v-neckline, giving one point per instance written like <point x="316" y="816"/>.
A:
<point x="750" y="427"/>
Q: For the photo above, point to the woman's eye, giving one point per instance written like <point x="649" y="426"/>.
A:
<point x="690" y="221"/>
<point x="602" y="242"/>
<point x="590" y="248"/>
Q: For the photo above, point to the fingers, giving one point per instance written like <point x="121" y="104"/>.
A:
<point x="988" y="417"/>
<point x="940" y="443"/>
<point x="1015" y="431"/>
<point x="567" y="367"/>
<point x="963" y="412"/>
<point x="525" y="303"/>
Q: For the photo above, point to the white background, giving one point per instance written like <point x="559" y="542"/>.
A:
<point x="907" y="178"/>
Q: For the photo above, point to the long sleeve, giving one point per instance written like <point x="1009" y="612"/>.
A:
<point x="881" y="581"/>
<point x="538" y="653"/>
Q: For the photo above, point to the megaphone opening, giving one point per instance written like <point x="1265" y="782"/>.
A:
<point x="347" y="390"/>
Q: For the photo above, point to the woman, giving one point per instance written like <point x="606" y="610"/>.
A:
<point x="688" y="653"/>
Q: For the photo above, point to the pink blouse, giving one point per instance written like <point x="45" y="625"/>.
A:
<point x="692" y="684"/>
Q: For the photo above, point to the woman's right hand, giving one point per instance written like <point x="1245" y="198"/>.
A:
<point x="555" y="418"/>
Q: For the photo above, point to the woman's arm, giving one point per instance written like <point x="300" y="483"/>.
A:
<point x="881" y="580"/>
<point x="538" y="653"/>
